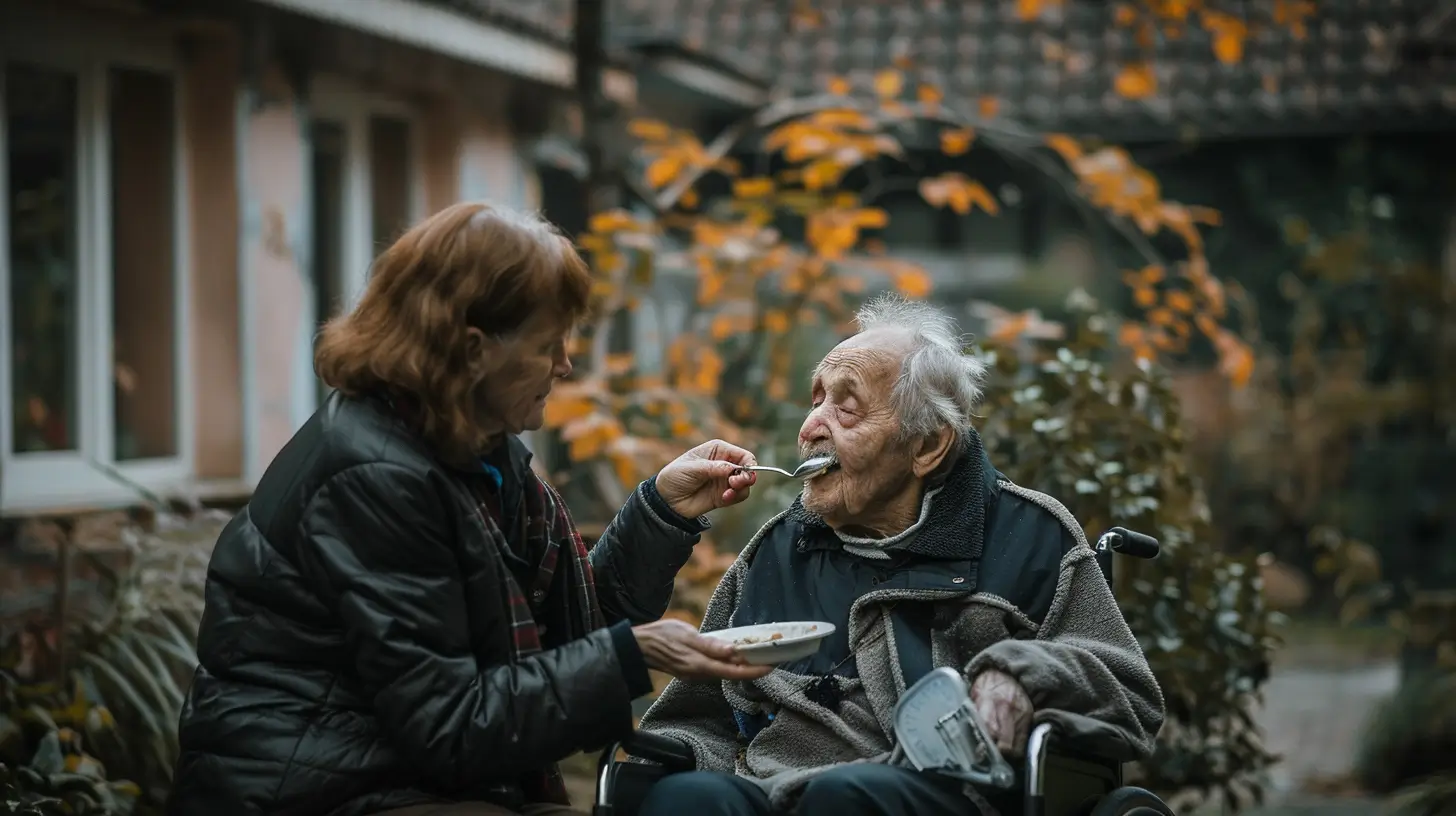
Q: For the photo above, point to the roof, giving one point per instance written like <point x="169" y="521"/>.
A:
<point x="1344" y="73"/>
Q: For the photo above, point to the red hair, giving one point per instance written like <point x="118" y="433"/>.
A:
<point x="470" y="265"/>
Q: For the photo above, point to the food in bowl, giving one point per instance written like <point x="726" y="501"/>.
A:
<point x="754" y="640"/>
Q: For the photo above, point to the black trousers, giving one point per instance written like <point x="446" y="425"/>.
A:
<point x="851" y="790"/>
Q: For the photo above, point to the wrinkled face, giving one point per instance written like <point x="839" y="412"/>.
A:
<point x="852" y="417"/>
<point x="520" y="371"/>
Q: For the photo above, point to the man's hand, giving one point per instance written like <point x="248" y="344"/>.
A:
<point x="704" y="478"/>
<point x="1004" y="708"/>
<point x="676" y="648"/>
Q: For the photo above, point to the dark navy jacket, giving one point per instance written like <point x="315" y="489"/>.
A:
<point x="975" y="537"/>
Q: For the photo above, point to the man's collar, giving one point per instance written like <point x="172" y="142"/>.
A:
<point x="952" y="525"/>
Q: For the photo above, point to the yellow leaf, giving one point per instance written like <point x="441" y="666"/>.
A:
<point x="689" y="199"/>
<point x="1136" y="81"/>
<point x="839" y="86"/>
<point x="649" y="130"/>
<point x="889" y="83"/>
<point x="663" y="170"/>
<point x="957" y="141"/>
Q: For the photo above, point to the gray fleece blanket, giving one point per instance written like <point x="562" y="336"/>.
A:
<point x="1083" y="670"/>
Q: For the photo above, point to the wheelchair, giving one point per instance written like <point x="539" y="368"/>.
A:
<point x="937" y="731"/>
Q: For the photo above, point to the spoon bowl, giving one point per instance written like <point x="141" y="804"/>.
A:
<point x="808" y="469"/>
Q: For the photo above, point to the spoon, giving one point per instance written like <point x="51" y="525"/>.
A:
<point x="811" y="467"/>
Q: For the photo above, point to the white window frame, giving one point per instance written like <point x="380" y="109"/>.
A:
<point x="61" y="481"/>
<point x="338" y="100"/>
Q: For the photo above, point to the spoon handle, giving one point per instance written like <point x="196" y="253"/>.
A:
<point x="779" y="471"/>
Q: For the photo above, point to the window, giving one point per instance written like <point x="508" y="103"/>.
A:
<point x="89" y="282"/>
<point x="365" y="189"/>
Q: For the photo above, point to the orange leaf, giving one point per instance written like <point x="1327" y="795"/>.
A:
<point x="935" y="191"/>
<point x="1028" y="10"/>
<point x="1125" y="15"/>
<point x="721" y="327"/>
<point x="618" y="364"/>
<point x="1144" y="296"/>
<point x="611" y="221"/>
<point x="889" y="83"/>
<point x="912" y="283"/>
<point x="988" y="106"/>
<point x="758" y="187"/>
<point x="982" y="198"/>
<point x="1065" y="146"/>
<point x="561" y="411"/>
<point x="776" y="322"/>
<point x="649" y="130"/>
<point x="1180" y="301"/>
<point x="871" y="217"/>
<point x="689" y="199"/>
<point x="663" y="170"/>
<point x="839" y="86"/>
<point x="957" y="141"/>
<point x="1160" y="316"/>
<point x="929" y="95"/>
<point x="1136" y="81"/>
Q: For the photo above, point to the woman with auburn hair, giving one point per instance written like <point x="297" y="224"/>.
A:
<point x="404" y="619"/>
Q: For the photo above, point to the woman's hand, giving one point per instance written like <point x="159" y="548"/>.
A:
<point x="675" y="648"/>
<point x="706" y="478"/>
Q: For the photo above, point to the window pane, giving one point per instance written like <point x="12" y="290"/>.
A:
<point x="40" y="138"/>
<point x="389" y="173"/>
<point x="143" y="255"/>
<point x="328" y="223"/>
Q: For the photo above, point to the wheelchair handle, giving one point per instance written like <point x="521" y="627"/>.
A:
<point x="670" y="752"/>
<point x="1128" y="542"/>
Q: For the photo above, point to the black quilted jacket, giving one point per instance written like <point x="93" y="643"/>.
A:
<point x="355" y="656"/>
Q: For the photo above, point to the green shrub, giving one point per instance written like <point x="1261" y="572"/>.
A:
<point x="1102" y="434"/>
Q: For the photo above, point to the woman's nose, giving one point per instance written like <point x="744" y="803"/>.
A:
<point x="563" y="367"/>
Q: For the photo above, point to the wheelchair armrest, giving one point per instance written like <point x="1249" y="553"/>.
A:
<point x="670" y="752"/>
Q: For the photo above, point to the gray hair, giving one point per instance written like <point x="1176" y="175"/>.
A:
<point x="939" y="384"/>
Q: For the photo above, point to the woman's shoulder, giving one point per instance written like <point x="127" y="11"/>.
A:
<point x="347" y="438"/>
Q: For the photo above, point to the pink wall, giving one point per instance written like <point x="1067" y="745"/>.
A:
<point x="274" y="190"/>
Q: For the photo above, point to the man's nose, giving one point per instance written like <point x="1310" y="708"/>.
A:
<point x="814" y="430"/>
<point x="563" y="367"/>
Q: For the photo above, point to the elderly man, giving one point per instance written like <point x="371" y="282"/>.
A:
<point x="922" y="555"/>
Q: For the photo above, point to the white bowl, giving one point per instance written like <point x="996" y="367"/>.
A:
<point x="769" y="644"/>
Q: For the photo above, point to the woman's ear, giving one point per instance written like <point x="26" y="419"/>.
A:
<point x="480" y="352"/>
<point x="932" y="450"/>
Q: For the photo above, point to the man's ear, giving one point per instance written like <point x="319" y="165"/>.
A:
<point x="932" y="450"/>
